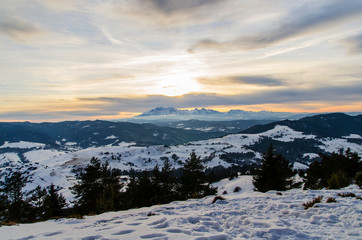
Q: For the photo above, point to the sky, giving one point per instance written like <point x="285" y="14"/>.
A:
<point x="108" y="59"/>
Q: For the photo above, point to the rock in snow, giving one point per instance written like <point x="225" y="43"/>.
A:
<point x="243" y="215"/>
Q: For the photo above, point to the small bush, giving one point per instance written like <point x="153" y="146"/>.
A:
<point x="358" y="179"/>
<point x="331" y="199"/>
<point x="338" y="180"/>
<point x="237" y="189"/>
<point x="225" y="192"/>
<point x="311" y="203"/>
<point x="279" y="193"/>
<point x="77" y="216"/>
<point x="346" y="194"/>
<point x="359" y="198"/>
<point x="8" y="223"/>
<point x="217" y="198"/>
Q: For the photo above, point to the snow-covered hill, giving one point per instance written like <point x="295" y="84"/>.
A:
<point x="242" y="215"/>
<point x="45" y="166"/>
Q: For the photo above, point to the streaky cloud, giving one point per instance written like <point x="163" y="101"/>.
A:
<point x="353" y="44"/>
<point x="303" y="20"/>
<point x="171" y="6"/>
<point x="247" y="80"/>
<point x="277" y="96"/>
<point x="18" y="29"/>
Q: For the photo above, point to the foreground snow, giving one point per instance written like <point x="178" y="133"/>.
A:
<point x="243" y="215"/>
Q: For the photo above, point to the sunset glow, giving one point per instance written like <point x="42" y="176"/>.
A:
<point x="86" y="59"/>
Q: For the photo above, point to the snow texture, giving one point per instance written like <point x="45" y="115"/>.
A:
<point x="242" y="215"/>
<point x="22" y="145"/>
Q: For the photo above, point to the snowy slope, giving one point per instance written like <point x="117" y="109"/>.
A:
<point x="46" y="166"/>
<point x="243" y="215"/>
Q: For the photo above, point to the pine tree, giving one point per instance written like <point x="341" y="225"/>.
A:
<point x="89" y="187"/>
<point x="4" y="206"/>
<point x="275" y="174"/>
<point x="54" y="203"/>
<point x="37" y="200"/>
<point x="193" y="179"/>
<point x="18" y="209"/>
<point x="335" y="170"/>
<point x="98" y="189"/>
<point x="111" y="195"/>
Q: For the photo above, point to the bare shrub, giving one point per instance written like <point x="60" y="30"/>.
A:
<point x="346" y="194"/>
<point x="311" y="203"/>
<point x="331" y="199"/>
<point x="217" y="198"/>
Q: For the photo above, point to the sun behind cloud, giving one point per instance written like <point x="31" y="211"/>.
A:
<point x="180" y="79"/>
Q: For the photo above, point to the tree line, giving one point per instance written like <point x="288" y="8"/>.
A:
<point x="100" y="188"/>
<point x="333" y="171"/>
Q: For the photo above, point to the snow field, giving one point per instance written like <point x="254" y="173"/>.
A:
<point x="22" y="144"/>
<point x="243" y="215"/>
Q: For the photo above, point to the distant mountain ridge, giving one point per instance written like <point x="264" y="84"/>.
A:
<point x="97" y="133"/>
<point x="323" y="125"/>
<point x="171" y="113"/>
<point x="174" y="111"/>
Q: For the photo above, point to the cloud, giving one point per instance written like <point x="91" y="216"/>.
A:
<point x="247" y="80"/>
<point x="167" y="12"/>
<point x="353" y="44"/>
<point x="111" y="107"/>
<point x="28" y="33"/>
<point x="336" y="94"/>
<point x="18" y="29"/>
<point x="169" y="7"/>
<point x="305" y="19"/>
<point x="61" y="5"/>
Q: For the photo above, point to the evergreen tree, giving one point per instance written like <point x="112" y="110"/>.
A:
<point x="4" y="206"/>
<point x="18" y="210"/>
<point x="338" y="180"/>
<point x="141" y="191"/>
<point x="275" y="173"/>
<point x="169" y="183"/>
<point x="194" y="180"/>
<point x="111" y="195"/>
<point x="37" y="200"/>
<point x="98" y="189"/>
<point x="335" y="170"/>
<point x="54" y="203"/>
<point x="89" y="187"/>
<point x="165" y="183"/>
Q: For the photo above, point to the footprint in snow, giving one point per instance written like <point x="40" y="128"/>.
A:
<point x="162" y="225"/>
<point x="26" y="238"/>
<point x="52" y="234"/>
<point x="118" y="222"/>
<point x="215" y="237"/>
<point x="92" y="237"/>
<point x="177" y="230"/>
<point x="134" y="224"/>
<point x="123" y="232"/>
<point x="157" y="221"/>
<point x="153" y="235"/>
<point x="102" y="221"/>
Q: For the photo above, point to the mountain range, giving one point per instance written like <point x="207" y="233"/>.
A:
<point x="173" y="114"/>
